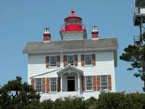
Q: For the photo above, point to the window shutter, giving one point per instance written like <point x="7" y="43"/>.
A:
<point x="94" y="82"/>
<point x="82" y="60"/>
<point x="98" y="82"/>
<point x="109" y="82"/>
<point x="65" y="60"/>
<point x="47" y="85"/>
<point x="58" y="84"/>
<point x="76" y="60"/>
<point x="58" y="61"/>
<point x="93" y="59"/>
<point x="33" y="82"/>
<point x="43" y="85"/>
<point x="83" y="83"/>
<point x="47" y="61"/>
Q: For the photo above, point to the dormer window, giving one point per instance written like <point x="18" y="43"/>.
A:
<point x="70" y="60"/>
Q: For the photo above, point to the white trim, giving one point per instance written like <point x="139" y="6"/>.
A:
<point x="95" y="38"/>
<point x="46" y="41"/>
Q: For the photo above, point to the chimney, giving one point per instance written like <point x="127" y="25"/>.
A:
<point x="46" y="34"/>
<point x="95" y="32"/>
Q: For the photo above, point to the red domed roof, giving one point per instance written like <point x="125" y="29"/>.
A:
<point x="73" y="16"/>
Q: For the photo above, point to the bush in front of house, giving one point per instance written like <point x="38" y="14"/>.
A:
<point x="120" y="101"/>
<point x="47" y="104"/>
<point x="69" y="103"/>
<point x="66" y="103"/>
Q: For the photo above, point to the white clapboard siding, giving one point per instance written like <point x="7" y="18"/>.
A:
<point x="104" y="66"/>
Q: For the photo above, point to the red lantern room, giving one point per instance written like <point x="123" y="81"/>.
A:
<point x="73" y="23"/>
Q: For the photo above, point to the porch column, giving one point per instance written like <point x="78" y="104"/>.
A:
<point x="78" y="83"/>
<point x="61" y="81"/>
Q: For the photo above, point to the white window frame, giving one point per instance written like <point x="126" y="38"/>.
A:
<point x="50" y="84"/>
<point x="85" y="60"/>
<point x="50" y="61"/>
<point x="86" y="83"/>
<point x="104" y="82"/>
<point x="67" y="60"/>
<point x="38" y="85"/>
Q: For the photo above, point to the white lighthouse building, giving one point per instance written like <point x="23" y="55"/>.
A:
<point x="73" y="66"/>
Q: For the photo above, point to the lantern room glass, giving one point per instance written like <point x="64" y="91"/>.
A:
<point x="73" y="20"/>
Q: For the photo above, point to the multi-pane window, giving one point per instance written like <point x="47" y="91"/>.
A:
<point x="53" y="84"/>
<point x="72" y="20"/>
<point x="89" y="83"/>
<point x="88" y="60"/>
<point x="52" y="60"/>
<point x="104" y="82"/>
<point x="38" y="84"/>
<point x="70" y="60"/>
<point x="67" y="21"/>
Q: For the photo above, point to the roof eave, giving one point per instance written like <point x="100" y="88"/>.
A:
<point x="70" y="50"/>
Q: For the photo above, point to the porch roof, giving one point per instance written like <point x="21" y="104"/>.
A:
<point x="70" y="69"/>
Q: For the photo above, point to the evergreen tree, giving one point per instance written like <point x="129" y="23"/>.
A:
<point x="25" y="98"/>
<point x="136" y="56"/>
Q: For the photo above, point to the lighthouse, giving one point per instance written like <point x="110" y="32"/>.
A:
<point x="73" y="28"/>
<point x="74" y="65"/>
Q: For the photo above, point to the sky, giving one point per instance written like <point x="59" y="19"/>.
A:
<point x="23" y="21"/>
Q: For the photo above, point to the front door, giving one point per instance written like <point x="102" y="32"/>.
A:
<point x="71" y="83"/>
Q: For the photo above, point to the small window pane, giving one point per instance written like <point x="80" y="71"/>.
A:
<point x="52" y="60"/>
<point x="70" y="60"/>
<point x="88" y="60"/>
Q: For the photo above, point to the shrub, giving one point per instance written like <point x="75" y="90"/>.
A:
<point x="47" y="104"/>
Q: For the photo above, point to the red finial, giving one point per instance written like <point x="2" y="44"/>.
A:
<point x="73" y="11"/>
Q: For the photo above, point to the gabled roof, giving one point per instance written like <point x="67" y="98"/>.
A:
<point x="71" y="45"/>
<point x="70" y="67"/>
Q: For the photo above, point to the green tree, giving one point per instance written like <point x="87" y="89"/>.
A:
<point x="25" y="97"/>
<point x="136" y="56"/>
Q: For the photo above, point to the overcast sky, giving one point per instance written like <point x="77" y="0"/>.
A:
<point x="22" y="21"/>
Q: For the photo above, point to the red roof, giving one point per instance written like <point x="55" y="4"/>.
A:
<point x="73" y="16"/>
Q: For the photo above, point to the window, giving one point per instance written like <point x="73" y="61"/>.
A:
<point x="72" y="20"/>
<point x="88" y="60"/>
<point x="70" y="60"/>
<point x="104" y="82"/>
<point x="38" y="84"/>
<point x="67" y="21"/>
<point x="77" y="20"/>
<point x="89" y="83"/>
<point x="52" y="60"/>
<point x="53" y="84"/>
